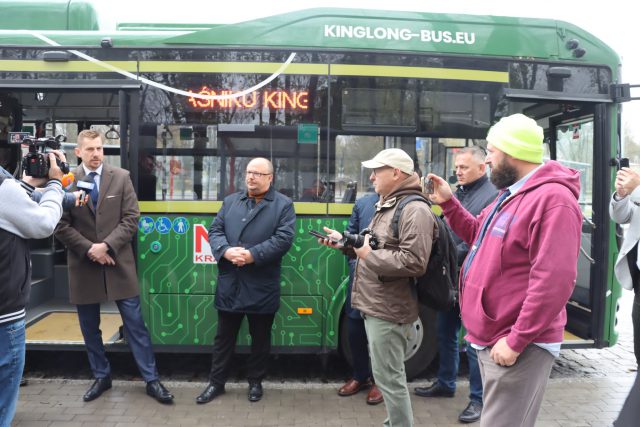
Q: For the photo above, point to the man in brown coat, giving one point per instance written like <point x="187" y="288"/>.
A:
<point x="383" y="287"/>
<point x="102" y="266"/>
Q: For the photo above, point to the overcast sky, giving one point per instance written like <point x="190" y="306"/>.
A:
<point x="612" y="21"/>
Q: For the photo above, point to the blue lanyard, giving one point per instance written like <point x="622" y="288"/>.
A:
<point x="483" y="231"/>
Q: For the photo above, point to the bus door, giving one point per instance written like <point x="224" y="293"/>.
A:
<point x="577" y="134"/>
<point x="48" y="108"/>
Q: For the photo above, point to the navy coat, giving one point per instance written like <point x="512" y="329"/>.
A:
<point x="267" y="230"/>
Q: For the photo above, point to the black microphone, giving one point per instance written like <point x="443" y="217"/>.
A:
<point x="86" y="186"/>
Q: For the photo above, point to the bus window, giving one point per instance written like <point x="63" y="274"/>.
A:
<point x="178" y="163"/>
<point x="574" y="148"/>
<point x="238" y="148"/>
<point x="351" y="150"/>
<point x="385" y="109"/>
<point x="442" y="111"/>
<point x="71" y="129"/>
<point x="111" y="140"/>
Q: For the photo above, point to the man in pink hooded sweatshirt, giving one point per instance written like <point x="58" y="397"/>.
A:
<point x="520" y="270"/>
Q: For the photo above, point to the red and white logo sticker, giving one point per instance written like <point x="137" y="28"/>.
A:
<point x="201" y="248"/>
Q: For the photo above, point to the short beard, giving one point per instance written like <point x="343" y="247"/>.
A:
<point x="504" y="175"/>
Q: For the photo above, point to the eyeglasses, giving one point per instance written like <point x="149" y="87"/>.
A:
<point x="257" y="174"/>
<point x="376" y="171"/>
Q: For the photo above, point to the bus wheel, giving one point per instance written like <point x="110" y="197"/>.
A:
<point x="421" y="349"/>
<point x="422" y="346"/>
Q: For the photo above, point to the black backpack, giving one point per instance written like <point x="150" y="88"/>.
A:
<point x="437" y="287"/>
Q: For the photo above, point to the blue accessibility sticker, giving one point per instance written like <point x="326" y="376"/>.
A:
<point x="163" y="225"/>
<point x="146" y="225"/>
<point x="180" y="225"/>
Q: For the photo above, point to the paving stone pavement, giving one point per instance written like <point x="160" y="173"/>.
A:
<point x="587" y="388"/>
<point x="567" y="402"/>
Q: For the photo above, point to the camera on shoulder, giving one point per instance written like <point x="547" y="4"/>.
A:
<point x="36" y="162"/>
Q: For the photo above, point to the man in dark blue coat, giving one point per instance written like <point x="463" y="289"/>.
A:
<point x="475" y="192"/>
<point x="248" y="237"/>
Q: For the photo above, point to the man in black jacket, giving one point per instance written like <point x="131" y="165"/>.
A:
<point x="20" y="219"/>
<point x="252" y="232"/>
<point x="475" y="192"/>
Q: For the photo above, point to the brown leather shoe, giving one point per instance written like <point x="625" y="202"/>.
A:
<point x="374" y="396"/>
<point x="352" y="386"/>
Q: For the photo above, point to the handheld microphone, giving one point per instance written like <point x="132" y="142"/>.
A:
<point x="85" y="185"/>
<point x="67" y="180"/>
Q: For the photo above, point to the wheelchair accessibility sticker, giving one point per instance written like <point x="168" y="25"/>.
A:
<point x="163" y="225"/>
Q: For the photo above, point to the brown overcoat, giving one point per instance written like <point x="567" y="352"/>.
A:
<point x="114" y="222"/>
<point x="383" y="281"/>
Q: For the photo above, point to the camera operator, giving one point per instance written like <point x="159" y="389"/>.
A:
<point x="21" y="219"/>
<point x="383" y="288"/>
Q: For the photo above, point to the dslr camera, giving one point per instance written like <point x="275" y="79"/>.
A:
<point x="357" y="240"/>
<point x="36" y="162"/>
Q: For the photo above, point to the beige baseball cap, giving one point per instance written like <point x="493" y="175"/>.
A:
<point x="393" y="157"/>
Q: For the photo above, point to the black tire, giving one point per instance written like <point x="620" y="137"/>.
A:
<point x="421" y="354"/>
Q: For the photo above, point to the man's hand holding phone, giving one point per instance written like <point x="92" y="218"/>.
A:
<point x="440" y="190"/>
<point x="332" y="238"/>
<point x="627" y="180"/>
<point x="623" y="163"/>
<point x="427" y="185"/>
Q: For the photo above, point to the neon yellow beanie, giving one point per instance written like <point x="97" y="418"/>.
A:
<point x="518" y="136"/>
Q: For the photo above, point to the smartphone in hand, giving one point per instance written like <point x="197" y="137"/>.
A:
<point x="323" y="236"/>
<point x="623" y="163"/>
<point x="427" y="185"/>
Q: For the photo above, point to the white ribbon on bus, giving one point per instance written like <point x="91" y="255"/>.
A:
<point x="165" y="87"/>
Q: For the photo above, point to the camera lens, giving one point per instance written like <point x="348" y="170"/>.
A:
<point x="352" y="240"/>
<point x="357" y="240"/>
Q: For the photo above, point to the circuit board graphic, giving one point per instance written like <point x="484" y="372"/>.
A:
<point x="177" y="276"/>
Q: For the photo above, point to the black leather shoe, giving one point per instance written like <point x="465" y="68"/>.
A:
<point x="98" y="387"/>
<point x="255" y="392"/>
<point x="471" y="413"/>
<point x="434" y="390"/>
<point x="159" y="392"/>
<point x="211" y="392"/>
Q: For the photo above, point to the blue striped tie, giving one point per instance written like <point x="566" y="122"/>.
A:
<point x="483" y="231"/>
<point x="94" y="192"/>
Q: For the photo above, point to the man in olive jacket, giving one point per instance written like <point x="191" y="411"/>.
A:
<point x="249" y="236"/>
<point x="102" y="266"/>
<point x="383" y="288"/>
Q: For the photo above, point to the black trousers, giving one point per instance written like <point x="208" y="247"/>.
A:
<point x="635" y="317"/>
<point x="628" y="416"/>
<point x="225" y="342"/>
<point x="632" y="257"/>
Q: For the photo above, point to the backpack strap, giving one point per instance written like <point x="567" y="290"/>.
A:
<point x="396" y="215"/>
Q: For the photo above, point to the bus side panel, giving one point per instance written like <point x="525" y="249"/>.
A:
<point x="177" y="276"/>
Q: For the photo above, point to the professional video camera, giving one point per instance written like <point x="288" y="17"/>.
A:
<point x="36" y="162"/>
<point x="357" y="240"/>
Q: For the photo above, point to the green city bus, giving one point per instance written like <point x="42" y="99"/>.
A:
<point x="184" y="107"/>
